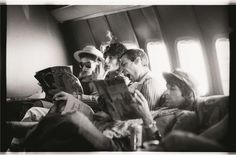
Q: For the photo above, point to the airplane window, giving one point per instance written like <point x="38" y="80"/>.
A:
<point x="191" y="60"/>
<point x="222" y="50"/>
<point x="159" y="60"/>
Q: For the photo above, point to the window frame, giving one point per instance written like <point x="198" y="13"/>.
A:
<point x="205" y="59"/>
<point x="215" y="38"/>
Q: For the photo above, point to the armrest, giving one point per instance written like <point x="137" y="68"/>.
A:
<point x="17" y="109"/>
<point x="19" y="129"/>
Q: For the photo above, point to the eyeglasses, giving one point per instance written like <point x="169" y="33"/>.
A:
<point x="86" y="64"/>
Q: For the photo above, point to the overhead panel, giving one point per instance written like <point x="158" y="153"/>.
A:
<point x="80" y="12"/>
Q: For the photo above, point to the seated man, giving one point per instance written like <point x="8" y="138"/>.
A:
<point x="177" y="104"/>
<point x="187" y="118"/>
<point x="112" y="54"/>
<point x="89" y="60"/>
<point x="181" y="91"/>
<point x="193" y="113"/>
<point x="134" y="62"/>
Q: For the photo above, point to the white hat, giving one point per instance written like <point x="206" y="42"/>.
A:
<point x="90" y="50"/>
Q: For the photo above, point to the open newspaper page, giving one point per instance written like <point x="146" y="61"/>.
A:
<point x="58" y="78"/>
<point x="61" y="78"/>
<point x="72" y="104"/>
<point x="117" y="97"/>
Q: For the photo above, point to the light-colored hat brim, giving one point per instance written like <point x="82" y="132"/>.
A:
<point x="96" y="53"/>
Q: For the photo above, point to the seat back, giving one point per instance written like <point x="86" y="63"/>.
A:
<point x="211" y="109"/>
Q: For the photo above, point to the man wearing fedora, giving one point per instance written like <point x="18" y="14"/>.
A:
<point x="181" y="90"/>
<point x="176" y="105"/>
<point x="89" y="60"/>
<point x="179" y="118"/>
<point x="90" y="63"/>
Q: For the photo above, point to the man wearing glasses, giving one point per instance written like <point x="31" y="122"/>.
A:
<point x="90" y="65"/>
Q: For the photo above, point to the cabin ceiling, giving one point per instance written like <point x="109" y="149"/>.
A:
<point x="79" y="12"/>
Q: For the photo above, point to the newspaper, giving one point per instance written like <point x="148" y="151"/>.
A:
<point x="117" y="98"/>
<point x="61" y="78"/>
<point x="58" y="78"/>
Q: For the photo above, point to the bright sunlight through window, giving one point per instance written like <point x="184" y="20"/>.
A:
<point x="192" y="61"/>
<point x="222" y="50"/>
<point x="159" y="60"/>
<point x="130" y="45"/>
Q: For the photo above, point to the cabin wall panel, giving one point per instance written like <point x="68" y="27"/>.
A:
<point x="213" y="22"/>
<point x="180" y="22"/>
<point x="99" y="28"/>
<point x="34" y="42"/>
<point x="122" y="28"/>
<point x="177" y="22"/>
<point x="78" y="35"/>
<point x="81" y="34"/>
<point x="145" y="25"/>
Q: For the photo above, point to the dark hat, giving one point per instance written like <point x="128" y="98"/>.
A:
<point x="182" y="77"/>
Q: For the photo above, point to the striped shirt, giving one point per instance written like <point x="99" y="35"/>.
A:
<point x="148" y="86"/>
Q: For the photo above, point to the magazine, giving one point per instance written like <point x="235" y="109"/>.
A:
<point x="61" y="78"/>
<point x="58" y="78"/>
<point x="117" y="98"/>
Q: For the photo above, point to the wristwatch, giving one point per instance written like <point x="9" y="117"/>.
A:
<point x="151" y="125"/>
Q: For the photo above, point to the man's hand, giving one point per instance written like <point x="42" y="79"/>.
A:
<point x="126" y="79"/>
<point x="99" y="73"/>
<point x="140" y="105"/>
<point x="62" y="96"/>
<point x="70" y="104"/>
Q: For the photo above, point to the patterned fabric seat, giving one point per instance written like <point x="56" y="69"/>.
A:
<point x="207" y="112"/>
<point x="211" y="109"/>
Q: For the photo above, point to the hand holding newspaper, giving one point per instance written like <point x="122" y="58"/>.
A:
<point x="61" y="81"/>
<point x="73" y="104"/>
<point x="58" y="78"/>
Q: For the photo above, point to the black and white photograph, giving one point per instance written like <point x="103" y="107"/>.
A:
<point x="117" y="77"/>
